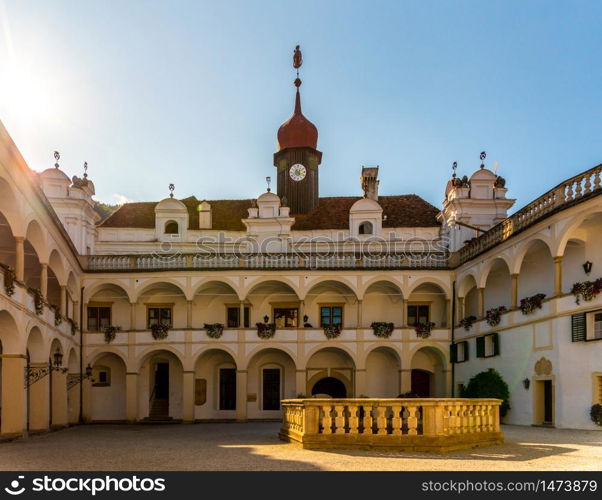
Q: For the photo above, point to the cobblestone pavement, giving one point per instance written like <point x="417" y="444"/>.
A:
<point x="255" y="446"/>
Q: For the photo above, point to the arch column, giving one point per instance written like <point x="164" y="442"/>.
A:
<point x="481" y="302"/>
<point x="188" y="396"/>
<point x="19" y="257"/>
<point x="301" y="382"/>
<point x="13" y="394"/>
<point x="63" y="304"/>
<point x="514" y="302"/>
<point x="73" y="402"/>
<point x="241" y="395"/>
<point x="189" y="314"/>
<point x="558" y="275"/>
<point x="60" y="417"/>
<point x="461" y="312"/>
<point x="359" y="313"/>
<point x="405" y="380"/>
<point x="404" y="306"/>
<point x="241" y="315"/>
<point x="39" y="395"/>
<point x="44" y="280"/>
<point x="133" y="315"/>
<point x="360" y="382"/>
<point x="131" y="396"/>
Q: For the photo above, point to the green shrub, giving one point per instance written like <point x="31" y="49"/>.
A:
<point x="489" y="384"/>
<point x="596" y="414"/>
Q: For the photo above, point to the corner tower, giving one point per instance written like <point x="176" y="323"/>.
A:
<point x="297" y="159"/>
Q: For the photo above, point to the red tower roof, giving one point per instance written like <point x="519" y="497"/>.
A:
<point x="297" y="131"/>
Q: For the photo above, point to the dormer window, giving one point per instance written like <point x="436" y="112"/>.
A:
<point x="366" y="228"/>
<point x="171" y="227"/>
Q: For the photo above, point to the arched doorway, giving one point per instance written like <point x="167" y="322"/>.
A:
<point x="421" y="383"/>
<point x="330" y="387"/>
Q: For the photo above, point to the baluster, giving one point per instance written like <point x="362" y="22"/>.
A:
<point x="412" y="420"/>
<point x="381" y="420"/>
<point x="326" y="420"/>
<point x="596" y="179"/>
<point x="396" y="420"/>
<point x="353" y="419"/>
<point x="339" y="420"/>
<point x="367" y="420"/>
<point x="579" y="190"/>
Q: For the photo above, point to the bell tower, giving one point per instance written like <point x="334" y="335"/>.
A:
<point x="297" y="159"/>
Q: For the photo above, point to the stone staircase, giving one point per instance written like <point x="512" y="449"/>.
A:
<point x="159" y="411"/>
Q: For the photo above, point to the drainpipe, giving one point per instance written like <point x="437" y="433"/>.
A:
<point x="81" y="356"/>
<point x="453" y="320"/>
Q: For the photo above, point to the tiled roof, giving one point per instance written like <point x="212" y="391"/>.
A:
<point x="333" y="213"/>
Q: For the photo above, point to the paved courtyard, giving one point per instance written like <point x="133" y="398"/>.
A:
<point x="255" y="446"/>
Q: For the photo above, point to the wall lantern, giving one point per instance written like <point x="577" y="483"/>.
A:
<point x="587" y="267"/>
<point x="526" y="383"/>
<point x="58" y="359"/>
<point x="266" y="319"/>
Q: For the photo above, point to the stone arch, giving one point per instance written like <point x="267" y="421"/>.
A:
<point x="93" y="289"/>
<point x="535" y="266"/>
<point x="382" y="300"/>
<point x="525" y="247"/>
<point x="162" y="293"/>
<point x="55" y="262"/>
<point x="469" y="293"/>
<point x="326" y="362"/>
<point x="149" y="352"/>
<point x="153" y="282"/>
<point x="377" y="279"/>
<point x="271" y="374"/>
<point x="216" y="370"/>
<point x="8" y="243"/>
<point x="428" y="301"/>
<point x="383" y="372"/>
<point x="339" y="281"/>
<point x="108" y="392"/>
<point x="160" y="384"/>
<point x="9" y="334"/>
<point x="36" y="236"/>
<point x="37" y="348"/>
<point x="268" y="295"/>
<point x="109" y="294"/>
<point x="285" y="350"/>
<point x="570" y="227"/>
<point x="498" y="285"/>
<point x="433" y="280"/>
<point x="95" y="355"/>
<point x="211" y="298"/>
<point x="275" y="281"/>
<point x="331" y="293"/>
<point x="428" y="371"/>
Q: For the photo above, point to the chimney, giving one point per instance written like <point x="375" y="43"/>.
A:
<point x="369" y="180"/>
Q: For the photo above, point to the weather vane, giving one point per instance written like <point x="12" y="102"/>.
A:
<point x="57" y="157"/>
<point x="297" y="62"/>
<point x="454" y="167"/>
<point x="483" y="155"/>
<point x="268" y="180"/>
<point x="171" y="188"/>
<point x="85" y="169"/>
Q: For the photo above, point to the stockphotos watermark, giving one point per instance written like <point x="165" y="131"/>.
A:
<point x="91" y="485"/>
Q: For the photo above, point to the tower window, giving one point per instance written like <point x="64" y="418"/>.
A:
<point x="172" y="227"/>
<point x="366" y="228"/>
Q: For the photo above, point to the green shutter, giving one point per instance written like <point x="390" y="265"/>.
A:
<point x="465" y="350"/>
<point x="578" y="327"/>
<point x="453" y="353"/>
<point x="480" y="347"/>
<point x="496" y="344"/>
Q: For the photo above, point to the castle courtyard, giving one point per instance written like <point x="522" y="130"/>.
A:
<point x="255" y="446"/>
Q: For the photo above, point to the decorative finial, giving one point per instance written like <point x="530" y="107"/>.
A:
<point x="85" y="170"/>
<point x="171" y="188"/>
<point x="483" y="155"/>
<point x="297" y="62"/>
<point x="57" y="157"/>
<point x="268" y="180"/>
<point x="454" y="167"/>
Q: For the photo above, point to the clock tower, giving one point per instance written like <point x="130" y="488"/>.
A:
<point x="297" y="159"/>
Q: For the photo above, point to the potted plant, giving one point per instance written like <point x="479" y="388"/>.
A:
<point x="332" y="331"/>
<point x="494" y="315"/>
<point x="9" y="280"/>
<point x="423" y="330"/>
<point x="58" y="319"/>
<point x="382" y="329"/>
<point x="38" y="300"/>
<point x="467" y="322"/>
<point x="214" y="330"/>
<point x="586" y="290"/>
<point x="596" y="414"/>
<point x="159" y="331"/>
<point x="266" y="330"/>
<point x="110" y="333"/>
<point x="529" y="304"/>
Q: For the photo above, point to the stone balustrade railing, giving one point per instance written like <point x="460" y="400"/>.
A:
<point x="118" y="263"/>
<point x="411" y="424"/>
<point x="567" y="193"/>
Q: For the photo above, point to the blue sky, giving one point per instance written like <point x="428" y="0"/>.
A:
<point x="193" y="92"/>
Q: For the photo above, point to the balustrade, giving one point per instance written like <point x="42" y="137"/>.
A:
<point x="417" y="424"/>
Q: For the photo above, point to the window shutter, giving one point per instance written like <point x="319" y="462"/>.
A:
<point x="578" y="327"/>
<point x="453" y="353"/>
<point x="480" y="347"/>
<point x="465" y="350"/>
<point x="496" y="344"/>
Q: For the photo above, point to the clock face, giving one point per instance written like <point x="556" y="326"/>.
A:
<point x="297" y="172"/>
